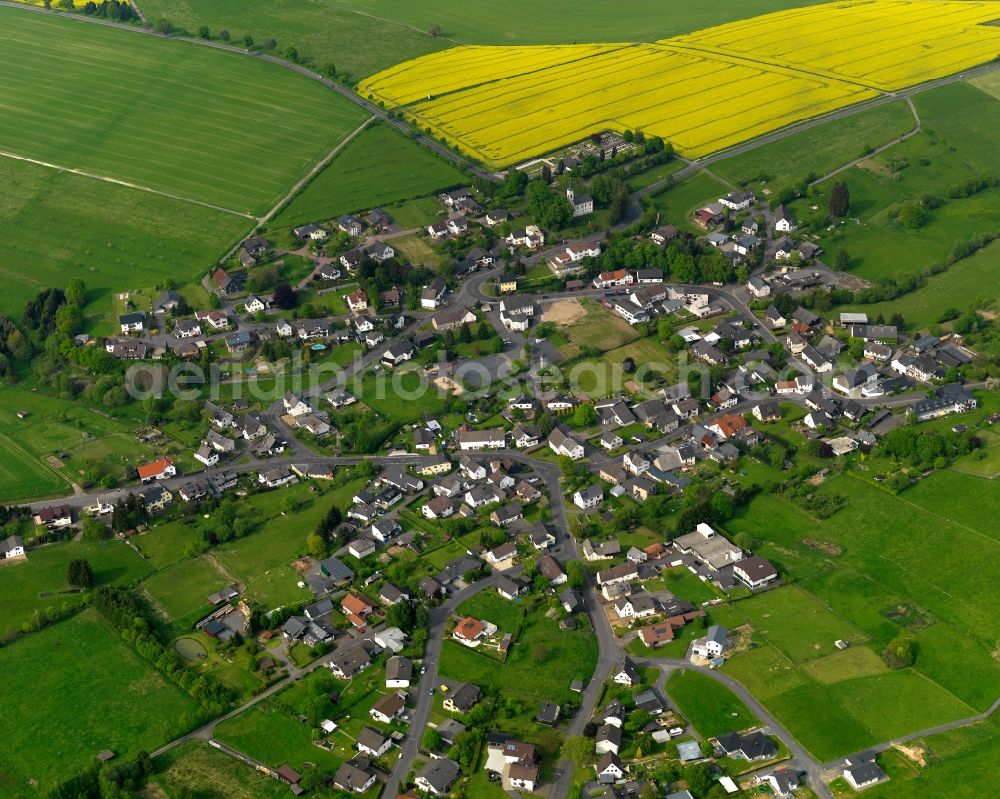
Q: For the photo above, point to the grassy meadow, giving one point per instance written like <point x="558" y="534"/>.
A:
<point x="92" y="691"/>
<point x="181" y="591"/>
<point x="393" y="31"/>
<point x="902" y="566"/>
<point x="197" y="767"/>
<point x="376" y="168"/>
<point x="37" y="584"/>
<point x="710" y="707"/>
<point x="207" y="125"/>
<point x="56" y="426"/>
<point x="676" y="204"/>
<point x="959" y="764"/>
<point x="56" y="226"/>
<point x="819" y="150"/>
<point x="959" y="135"/>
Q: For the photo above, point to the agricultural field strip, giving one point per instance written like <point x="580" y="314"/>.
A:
<point x="126" y="184"/>
<point x="76" y="118"/>
<point x="532" y="128"/>
<point x="97" y="129"/>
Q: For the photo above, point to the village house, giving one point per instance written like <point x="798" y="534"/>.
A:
<point x="713" y="644"/>
<point x="12" y="548"/>
<point x="462" y="698"/>
<point x="438" y="776"/>
<point x="388" y="707"/>
<point x="157" y="470"/>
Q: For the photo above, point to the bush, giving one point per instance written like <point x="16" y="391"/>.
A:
<point x="900" y="653"/>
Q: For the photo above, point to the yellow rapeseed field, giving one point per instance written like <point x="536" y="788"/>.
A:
<point x="887" y="44"/>
<point x="703" y="91"/>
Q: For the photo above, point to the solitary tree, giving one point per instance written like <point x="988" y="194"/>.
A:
<point x="203" y="32"/>
<point x="79" y="573"/>
<point x="224" y="35"/>
<point x="285" y="296"/>
<point x="840" y="199"/>
<point x="248" y="41"/>
<point x="435" y="30"/>
<point x="843" y="260"/>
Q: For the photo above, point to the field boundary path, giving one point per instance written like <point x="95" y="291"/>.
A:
<point x="917" y="127"/>
<point x="317" y="167"/>
<point x="125" y="183"/>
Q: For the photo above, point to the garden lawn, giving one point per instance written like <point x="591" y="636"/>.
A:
<point x="603" y="376"/>
<point x="489" y="605"/>
<point x="710" y="707"/>
<point x="272" y="732"/>
<point x="218" y="127"/>
<point x="569" y="655"/>
<point x="402" y="397"/>
<point x="93" y="693"/>
<point x="112" y="237"/>
<point x="378" y="167"/>
<point x="36" y="585"/>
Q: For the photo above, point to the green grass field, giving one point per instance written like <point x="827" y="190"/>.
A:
<point x="323" y="32"/>
<point x="328" y="31"/>
<point x="971" y="282"/>
<point x="959" y="134"/>
<point x="676" y="204"/>
<point x="56" y="226"/>
<point x="820" y="150"/>
<point x="603" y="376"/>
<point x="489" y="605"/>
<point x="262" y="561"/>
<point x="961" y="765"/>
<point x="181" y="591"/>
<point x="377" y="168"/>
<point x="93" y="693"/>
<point x="596" y="327"/>
<point x="797" y="624"/>
<point x="37" y="583"/>
<point x="272" y="732"/>
<point x="207" y="125"/>
<point x="197" y="767"/>
<point x="570" y="655"/>
<point x="53" y="427"/>
<point x="709" y="706"/>
<point x="402" y="396"/>
<point x="894" y="573"/>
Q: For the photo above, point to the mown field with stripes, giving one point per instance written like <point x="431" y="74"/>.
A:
<point x="200" y="123"/>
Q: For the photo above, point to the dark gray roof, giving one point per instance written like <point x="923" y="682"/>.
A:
<point x="440" y="773"/>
